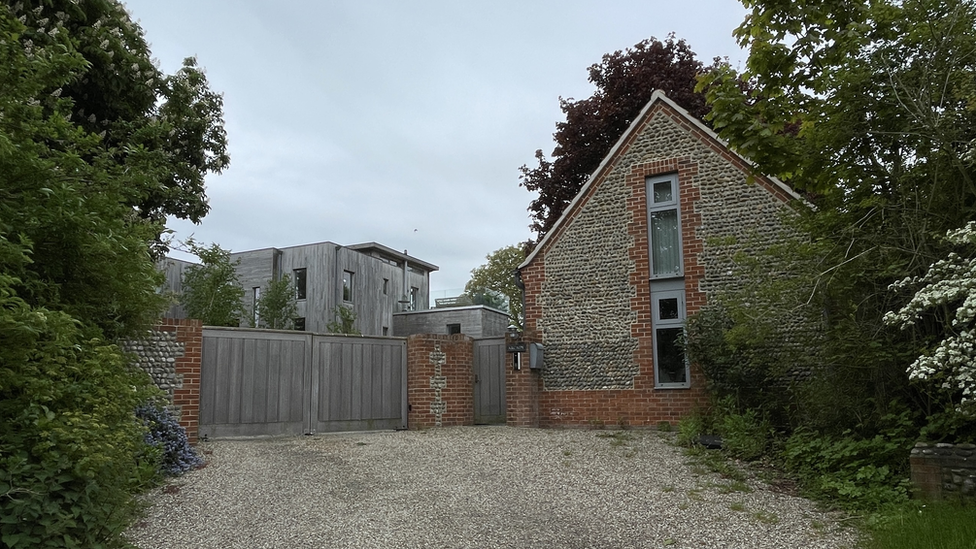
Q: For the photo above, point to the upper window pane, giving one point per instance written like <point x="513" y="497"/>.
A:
<point x="665" y="243"/>
<point x="663" y="192"/>
<point x="668" y="309"/>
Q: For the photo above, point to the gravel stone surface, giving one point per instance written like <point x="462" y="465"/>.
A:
<point x="472" y="487"/>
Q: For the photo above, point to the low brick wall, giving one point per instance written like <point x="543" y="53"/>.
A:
<point x="440" y="381"/>
<point x="171" y="354"/>
<point x="944" y="471"/>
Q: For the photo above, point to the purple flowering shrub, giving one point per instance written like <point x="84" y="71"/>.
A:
<point x="165" y="433"/>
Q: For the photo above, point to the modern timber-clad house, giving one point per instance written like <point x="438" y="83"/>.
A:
<point x="372" y="280"/>
<point x="648" y="240"/>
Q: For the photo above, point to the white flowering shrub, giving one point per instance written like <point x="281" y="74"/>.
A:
<point x="949" y="285"/>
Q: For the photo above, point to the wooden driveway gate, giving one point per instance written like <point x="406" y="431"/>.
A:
<point x="256" y="382"/>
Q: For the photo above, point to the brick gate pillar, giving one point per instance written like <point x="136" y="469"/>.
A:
<point x="440" y="380"/>
<point x="522" y="392"/>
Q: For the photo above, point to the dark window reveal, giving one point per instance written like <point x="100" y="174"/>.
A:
<point x="347" y="286"/>
<point x="299" y="283"/>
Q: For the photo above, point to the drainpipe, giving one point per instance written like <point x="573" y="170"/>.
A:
<point x="406" y="289"/>
<point x="337" y="294"/>
<point x="517" y="273"/>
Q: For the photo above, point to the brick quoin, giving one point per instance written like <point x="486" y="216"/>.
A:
<point x="189" y="332"/>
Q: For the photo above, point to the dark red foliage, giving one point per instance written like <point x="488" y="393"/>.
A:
<point x="625" y="81"/>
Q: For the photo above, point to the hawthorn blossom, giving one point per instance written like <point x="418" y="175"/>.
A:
<point x="949" y="282"/>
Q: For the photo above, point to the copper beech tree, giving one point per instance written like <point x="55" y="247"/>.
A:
<point x="624" y="83"/>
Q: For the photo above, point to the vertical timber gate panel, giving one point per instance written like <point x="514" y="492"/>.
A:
<point x="260" y="383"/>
<point x="253" y="383"/>
<point x="489" y="381"/>
<point x="358" y="384"/>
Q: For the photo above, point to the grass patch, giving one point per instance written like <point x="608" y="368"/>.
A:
<point x="737" y="506"/>
<point x="713" y="461"/>
<point x="765" y="517"/>
<point x="934" y="526"/>
<point x="617" y="438"/>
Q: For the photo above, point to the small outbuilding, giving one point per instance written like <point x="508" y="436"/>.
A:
<point x="649" y="239"/>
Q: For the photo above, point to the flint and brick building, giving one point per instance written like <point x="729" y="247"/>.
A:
<point x="649" y="239"/>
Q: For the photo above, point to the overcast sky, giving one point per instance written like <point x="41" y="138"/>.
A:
<point x="400" y="122"/>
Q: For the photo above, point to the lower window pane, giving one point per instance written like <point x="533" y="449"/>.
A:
<point x="670" y="357"/>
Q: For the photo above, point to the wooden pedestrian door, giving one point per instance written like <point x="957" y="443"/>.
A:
<point x="489" y="381"/>
<point x="255" y="383"/>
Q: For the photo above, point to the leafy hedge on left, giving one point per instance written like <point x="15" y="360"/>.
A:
<point x="71" y="454"/>
<point x="97" y="147"/>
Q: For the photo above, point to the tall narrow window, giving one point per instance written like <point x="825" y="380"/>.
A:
<point x="299" y="275"/>
<point x="347" y="286"/>
<point x="664" y="227"/>
<point x="386" y="286"/>
<point x="670" y="366"/>
<point x="414" y="298"/>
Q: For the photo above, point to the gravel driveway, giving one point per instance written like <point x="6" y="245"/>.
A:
<point x="472" y="487"/>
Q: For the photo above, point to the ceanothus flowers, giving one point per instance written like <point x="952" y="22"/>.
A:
<point x="950" y="282"/>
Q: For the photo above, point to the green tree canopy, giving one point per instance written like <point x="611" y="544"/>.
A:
<point x="624" y="83"/>
<point x="96" y="147"/>
<point x="497" y="277"/>
<point x="212" y="291"/>
<point x="344" y="321"/>
<point x="870" y="108"/>
<point x="276" y="308"/>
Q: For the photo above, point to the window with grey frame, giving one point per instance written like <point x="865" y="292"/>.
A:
<point x="664" y="226"/>
<point x="670" y="365"/>
<point x="666" y="282"/>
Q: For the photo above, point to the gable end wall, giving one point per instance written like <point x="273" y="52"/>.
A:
<point x="588" y="291"/>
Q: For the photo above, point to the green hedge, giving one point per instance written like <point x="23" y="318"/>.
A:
<point x="71" y="450"/>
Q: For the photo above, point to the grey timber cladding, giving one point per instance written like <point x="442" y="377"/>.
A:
<point x="173" y="270"/>
<point x="476" y="321"/>
<point x="325" y="263"/>
<point x="586" y="295"/>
